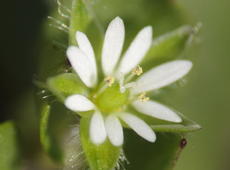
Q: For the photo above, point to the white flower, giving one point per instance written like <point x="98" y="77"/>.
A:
<point x="106" y="120"/>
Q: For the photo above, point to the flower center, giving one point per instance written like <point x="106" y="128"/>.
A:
<point x="111" y="99"/>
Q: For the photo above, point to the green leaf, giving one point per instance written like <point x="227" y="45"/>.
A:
<point x="168" y="46"/>
<point x="66" y="84"/>
<point x="46" y="138"/>
<point x="80" y="19"/>
<point x="8" y="146"/>
<point x="161" y="155"/>
<point x="99" y="157"/>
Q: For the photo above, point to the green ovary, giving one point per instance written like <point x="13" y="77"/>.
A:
<point x="112" y="100"/>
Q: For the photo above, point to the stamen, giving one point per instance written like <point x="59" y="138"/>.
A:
<point x="137" y="71"/>
<point x="109" y="80"/>
<point x="142" y="97"/>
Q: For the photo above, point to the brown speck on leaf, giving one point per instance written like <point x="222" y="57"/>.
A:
<point x="183" y="143"/>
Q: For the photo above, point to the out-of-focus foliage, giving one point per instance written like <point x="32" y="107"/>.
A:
<point x="47" y="139"/>
<point x="8" y="146"/>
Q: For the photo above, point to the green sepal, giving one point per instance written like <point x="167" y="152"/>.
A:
<point x="8" y="146"/>
<point x="66" y="84"/>
<point x="168" y="46"/>
<point x="79" y="19"/>
<point x="186" y="126"/>
<point x="99" y="157"/>
<point x="47" y="140"/>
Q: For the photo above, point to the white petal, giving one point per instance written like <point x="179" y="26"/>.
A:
<point x="136" y="51"/>
<point x="156" y="110"/>
<point x="114" y="130"/>
<point x="139" y="126"/>
<point x="85" y="45"/>
<point x="82" y="65"/>
<point x="162" y="75"/>
<point x="97" y="129"/>
<point x="113" y="43"/>
<point x="79" y="103"/>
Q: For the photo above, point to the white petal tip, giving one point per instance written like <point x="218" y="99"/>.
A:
<point x="157" y="110"/>
<point x="117" y="22"/>
<point x="118" y="143"/>
<point x="98" y="142"/>
<point x="97" y="129"/>
<point x="139" y="126"/>
<point x="148" y="29"/>
<point x="177" y="120"/>
<point x="114" y="130"/>
<point x="152" y="138"/>
<point x="188" y="64"/>
<point x="79" y="32"/>
<point x="118" y="19"/>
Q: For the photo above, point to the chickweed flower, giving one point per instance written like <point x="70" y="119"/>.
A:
<point x="124" y="85"/>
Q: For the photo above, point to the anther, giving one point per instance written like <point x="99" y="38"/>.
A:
<point x="137" y="71"/>
<point x="109" y="80"/>
<point x="143" y="98"/>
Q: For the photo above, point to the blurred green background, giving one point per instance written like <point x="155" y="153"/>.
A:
<point x="204" y="97"/>
<point x="208" y="94"/>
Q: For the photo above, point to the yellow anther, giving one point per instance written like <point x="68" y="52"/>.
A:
<point x="109" y="80"/>
<point x="143" y="98"/>
<point x="137" y="71"/>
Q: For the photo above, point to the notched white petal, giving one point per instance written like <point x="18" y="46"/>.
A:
<point x="136" y="51"/>
<point x="82" y="64"/>
<point x="78" y="103"/>
<point x="112" y="47"/>
<point x="97" y="129"/>
<point x="162" y="75"/>
<point x="157" y="110"/>
<point x="139" y="126"/>
<point x="85" y="46"/>
<point x="114" y="130"/>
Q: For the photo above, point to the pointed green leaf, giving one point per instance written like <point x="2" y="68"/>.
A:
<point x="66" y="84"/>
<point x="8" y="146"/>
<point x="47" y="140"/>
<point x="99" y="157"/>
<point x="80" y="19"/>
<point x="168" y="46"/>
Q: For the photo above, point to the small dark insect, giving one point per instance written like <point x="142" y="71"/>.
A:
<point x="183" y="143"/>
